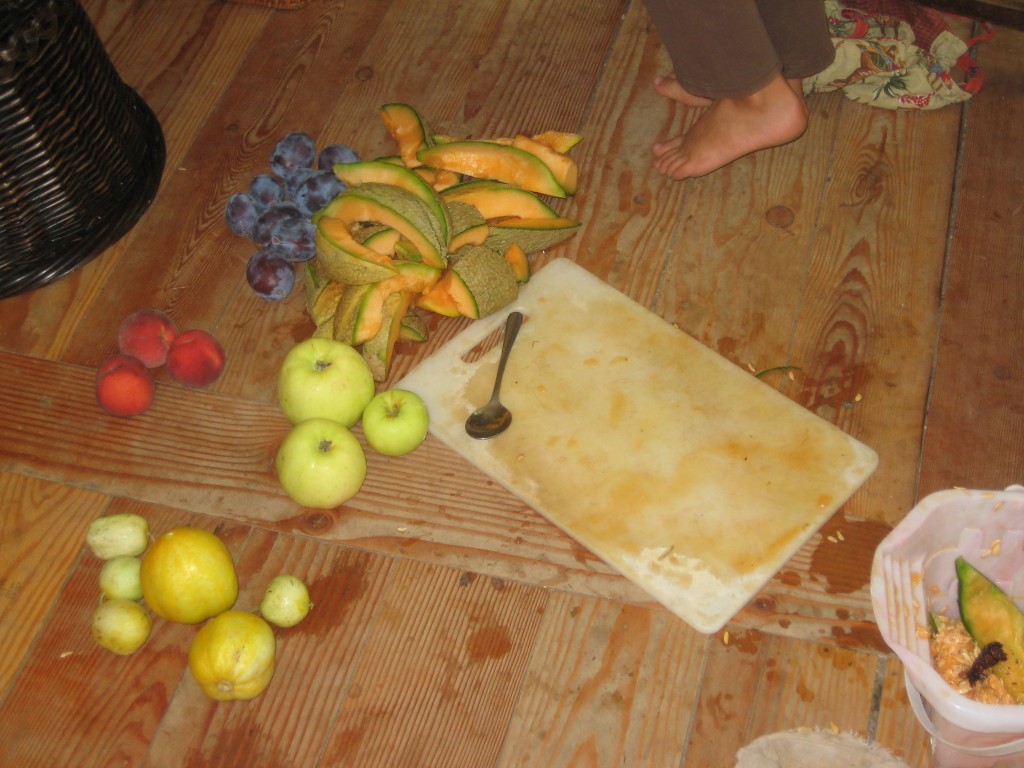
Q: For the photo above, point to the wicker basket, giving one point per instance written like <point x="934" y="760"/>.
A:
<point x="81" y="154"/>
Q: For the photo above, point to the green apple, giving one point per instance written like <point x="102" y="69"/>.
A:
<point x="320" y="464"/>
<point x="395" y="422"/>
<point x="324" y="378"/>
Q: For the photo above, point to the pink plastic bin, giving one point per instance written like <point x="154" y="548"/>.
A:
<point x="912" y="574"/>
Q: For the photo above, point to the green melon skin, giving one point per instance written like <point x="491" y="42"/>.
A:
<point x="382" y="172"/>
<point x="990" y="616"/>
<point x="395" y="207"/>
<point x="336" y="263"/>
<point x="541" y="235"/>
<point x="485" y="280"/>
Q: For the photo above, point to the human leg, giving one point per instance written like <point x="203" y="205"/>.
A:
<point x="744" y="60"/>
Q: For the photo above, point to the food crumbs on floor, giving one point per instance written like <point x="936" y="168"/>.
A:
<point x="402" y="529"/>
<point x="833" y="539"/>
<point x="752" y="368"/>
<point x="839" y="535"/>
<point x="857" y="398"/>
<point x="834" y="727"/>
<point x="725" y="637"/>
<point x="792" y="376"/>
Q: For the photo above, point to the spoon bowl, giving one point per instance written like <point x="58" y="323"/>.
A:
<point x="494" y="418"/>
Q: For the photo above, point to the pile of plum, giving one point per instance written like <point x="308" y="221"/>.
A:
<point x="276" y="211"/>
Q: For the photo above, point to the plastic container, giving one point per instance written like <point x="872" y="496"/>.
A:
<point x="913" y="573"/>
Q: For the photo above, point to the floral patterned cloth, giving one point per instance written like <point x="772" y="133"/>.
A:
<point x="895" y="55"/>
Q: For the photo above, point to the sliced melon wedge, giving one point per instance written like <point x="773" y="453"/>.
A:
<point x="379" y="351"/>
<point x="531" y="235"/>
<point x="488" y="160"/>
<point x="559" y="141"/>
<point x="480" y="281"/>
<point x="562" y="166"/>
<point x="520" y="263"/>
<point x="395" y="207"/>
<point x="381" y="172"/>
<point x="407" y="129"/>
<point x="340" y="258"/>
<point x="414" y="327"/>
<point x="496" y="199"/>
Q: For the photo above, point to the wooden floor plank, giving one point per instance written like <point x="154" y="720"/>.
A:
<point x="757" y="684"/>
<point x="897" y="727"/>
<point x="595" y="692"/>
<point x="444" y="658"/>
<point x="42" y="529"/>
<point x="975" y="415"/>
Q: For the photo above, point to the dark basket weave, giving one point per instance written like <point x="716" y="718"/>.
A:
<point x="81" y="154"/>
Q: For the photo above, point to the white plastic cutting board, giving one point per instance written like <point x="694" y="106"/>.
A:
<point x="682" y="471"/>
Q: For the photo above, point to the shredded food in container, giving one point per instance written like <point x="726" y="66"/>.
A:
<point x="954" y="653"/>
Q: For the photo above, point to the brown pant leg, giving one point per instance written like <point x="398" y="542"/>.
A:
<point x="727" y="49"/>
<point x="799" y="33"/>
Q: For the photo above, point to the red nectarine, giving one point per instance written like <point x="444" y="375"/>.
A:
<point x="147" y="335"/>
<point x="124" y="386"/>
<point x="195" y="358"/>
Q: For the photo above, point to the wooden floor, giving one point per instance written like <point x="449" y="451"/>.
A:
<point x="882" y="255"/>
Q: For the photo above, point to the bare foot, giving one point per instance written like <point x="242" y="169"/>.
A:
<point x="732" y="128"/>
<point x="670" y="88"/>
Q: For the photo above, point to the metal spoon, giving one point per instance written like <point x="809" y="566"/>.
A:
<point x="493" y="419"/>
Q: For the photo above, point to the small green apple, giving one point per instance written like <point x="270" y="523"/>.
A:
<point x="320" y="464"/>
<point x="324" y="378"/>
<point x="395" y="422"/>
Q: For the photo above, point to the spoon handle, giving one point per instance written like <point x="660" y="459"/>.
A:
<point x="512" y="326"/>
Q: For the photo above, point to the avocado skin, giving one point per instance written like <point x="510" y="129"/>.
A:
<point x="990" y="616"/>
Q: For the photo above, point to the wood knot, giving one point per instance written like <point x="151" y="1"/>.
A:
<point x="780" y="217"/>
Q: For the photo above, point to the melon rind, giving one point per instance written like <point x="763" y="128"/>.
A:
<point x="531" y="235"/>
<point x="488" y="160"/>
<point x="496" y="200"/>
<point x="482" y="281"/>
<point x="340" y="258"/>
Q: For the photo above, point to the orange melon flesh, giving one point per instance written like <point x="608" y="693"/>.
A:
<point x="368" y="314"/>
<point x="495" y="200"/>
<point x="380" y="350"/>
<point x="559" y="141"/>
<point x="394" y="207"/>
<point x="379" y="172"/>
<point x="488" y="160"/>
<point x="562" y="166"/>
<point x="474" y="235"/>
<point x="408" y="131"/>
<point x="438" y="299"/>
<point x="517" y="259"/>
<point x="340" y="258"/>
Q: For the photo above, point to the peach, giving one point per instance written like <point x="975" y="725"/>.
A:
<point x="124" y="386"/>
<point x="195" y="358"/>
<point x="147" y="335"/>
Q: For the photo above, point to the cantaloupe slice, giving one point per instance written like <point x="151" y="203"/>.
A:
<point x="559" y="141"/>
<point x="360" y="313"/>
<point x="395" y="207"/>
<point x="531" y="235"/>
<point x="322" y="294"/>
<point x="350" y="311"/>
<point x="438" y="299"/>
<point x="520" y="263"/>
<point x="377" y="172"/>
<point x="414" y="327"/>
<point x="488" y="160"/>
<point x="340" y="258"/>
<point x="408" y="130"/>
<point x="480" y="281"/>
<point x="468" y="225"/>
<point x="496" y="199"/>
<point x="379" y="351"/>
<point x="563" y="167"/>
<point x="378" y="237"/>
